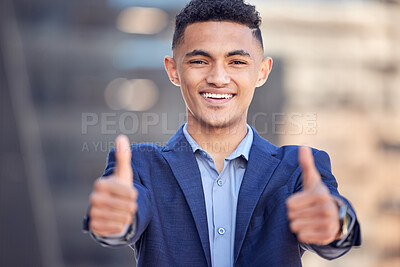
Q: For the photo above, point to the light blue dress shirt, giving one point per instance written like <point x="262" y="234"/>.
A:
<point x="221" y="192"/>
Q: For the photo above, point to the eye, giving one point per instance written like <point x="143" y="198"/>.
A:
<point x="199" y="62"/>
<point x="238" y="62"/>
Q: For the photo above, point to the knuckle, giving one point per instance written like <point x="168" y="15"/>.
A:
<point x="96" y="213"/>
<point x="134" y="193"/>
<point x="320" y="196"/>
<point x="320" y="211"/>
<point x="93" y="199"/>
<point x="290" y="206"/>
<point x="92" y="213"/>
<point x="292" y="215"/>
<point x="334" y="226"/>
<point x="302" y="238"/>
<point x="131" y="207"/>
<point x="94" y="226"/>
<point x="293" y="226"/>
<point x="326" y="212"/>
<point x="325" y="225"/>
<point x="326" y="196"/>
<point x="127" y="218"/>
<point x="333" y="232"/>
<point x="135" y="207"/>
<point x="326" y="228"/>
<point x="313" y="195"/>
<point x="118" y="228"/>
<point x="290" y="202"/>
<point x="130" y="219"/>
<point x="325" y="237"/>
<point x="99" y="184"/>
<point x="330" y="222"/>
<point x="97" y="200"/>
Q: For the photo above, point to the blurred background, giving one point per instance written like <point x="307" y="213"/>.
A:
<point x="74" y="74"/>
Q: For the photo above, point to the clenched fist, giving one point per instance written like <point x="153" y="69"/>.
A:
<point x="113" y="200"/>
<point x="313" y="213"/>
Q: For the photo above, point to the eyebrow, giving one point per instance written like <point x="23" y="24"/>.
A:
<point x="238" y="53"/>
<point x="198" y="52"/>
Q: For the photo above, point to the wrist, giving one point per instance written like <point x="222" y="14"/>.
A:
<point x="343" y="218"/>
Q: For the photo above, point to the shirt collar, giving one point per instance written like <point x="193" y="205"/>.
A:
<point x="243" y="149"/>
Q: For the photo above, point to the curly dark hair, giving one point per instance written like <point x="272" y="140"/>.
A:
<point x="217" y="10"/>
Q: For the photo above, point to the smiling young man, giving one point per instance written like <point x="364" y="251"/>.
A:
<point x="217" y="194"/>
<point x="218" y="64"/>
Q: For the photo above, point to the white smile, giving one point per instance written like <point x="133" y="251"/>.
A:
<point x="220" y="96"/>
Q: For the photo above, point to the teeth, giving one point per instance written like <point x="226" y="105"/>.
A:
<point x="208" y="95"/>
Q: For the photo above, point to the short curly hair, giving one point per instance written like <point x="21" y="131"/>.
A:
<point x="217" y="10"/>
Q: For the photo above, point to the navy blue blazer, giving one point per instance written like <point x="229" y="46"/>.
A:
<point x="172" y="226"/>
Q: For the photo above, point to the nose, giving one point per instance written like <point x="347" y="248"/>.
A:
<point x="218" y="75"/>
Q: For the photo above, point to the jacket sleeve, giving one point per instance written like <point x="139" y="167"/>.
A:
<point x="338" y="247"/>
<point x="141" y="219"/>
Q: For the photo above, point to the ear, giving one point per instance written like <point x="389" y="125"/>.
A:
<point x="266" y="66"/>
<point x="170" y="68"/>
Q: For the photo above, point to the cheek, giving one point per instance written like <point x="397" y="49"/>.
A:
<point x="246" y="76"/>
<point x="188" y="92"/>
<point x="188" y="81"/>
<point x="246" y="83"/>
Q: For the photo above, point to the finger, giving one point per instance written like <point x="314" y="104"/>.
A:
<point x="299" y="201"/>
<point x="311" y="176"/>
<point x="316" y="211"/>
<point x="316" y="237"/>
<point x="111" y="187"/>
<point x="123" y="154"/>
<point x="312" y="224"/>
<point x="305" y="199"/>
<point x="104" y="228"/>
<point x="110" y="215"/>
<point x="108" y="202"/>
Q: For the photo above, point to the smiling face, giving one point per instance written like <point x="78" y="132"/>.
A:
<point x="218" y="65"/>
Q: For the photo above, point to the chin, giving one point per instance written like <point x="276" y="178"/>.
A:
<point x="219" y="123"/>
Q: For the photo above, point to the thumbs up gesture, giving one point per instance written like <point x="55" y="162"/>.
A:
<point x="113" y="200"/>
<point x="313" y="212"/>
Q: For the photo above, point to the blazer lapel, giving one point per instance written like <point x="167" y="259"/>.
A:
<point x="179" y="155"/>
<point x="260" y="167"/>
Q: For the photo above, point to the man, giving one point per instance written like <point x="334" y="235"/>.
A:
<point x="217" y="194"/>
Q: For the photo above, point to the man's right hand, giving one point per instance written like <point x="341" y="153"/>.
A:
<point x="113" y="200"/>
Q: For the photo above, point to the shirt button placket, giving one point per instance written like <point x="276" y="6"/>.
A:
<point x="222" y="219"/>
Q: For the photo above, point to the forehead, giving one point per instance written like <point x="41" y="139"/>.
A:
<point x="218" y="37"/>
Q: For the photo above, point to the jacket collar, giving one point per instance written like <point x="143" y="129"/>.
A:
<point x="260" y="168"/>
<point x="179" y="154"/>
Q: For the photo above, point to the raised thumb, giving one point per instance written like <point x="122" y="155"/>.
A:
<point x="311" y="176"/>
<point x="123" y="169"/>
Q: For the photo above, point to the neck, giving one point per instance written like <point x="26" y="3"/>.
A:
<point x="219" y="142"/>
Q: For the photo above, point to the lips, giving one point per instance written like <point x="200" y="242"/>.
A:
<point x="217" y="96"/>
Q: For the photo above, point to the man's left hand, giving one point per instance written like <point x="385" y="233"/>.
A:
<point x="313" y="212"/>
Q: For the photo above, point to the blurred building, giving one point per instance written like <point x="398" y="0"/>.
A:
<point x="74" y="74"/>
<point x="341" y="61"/>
